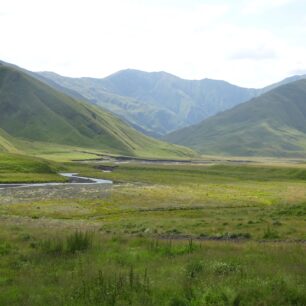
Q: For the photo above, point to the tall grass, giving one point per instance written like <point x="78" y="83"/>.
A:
<point x="79" y="241"/>
<point x="75" y="242"/>
<point x="124" y="288"/>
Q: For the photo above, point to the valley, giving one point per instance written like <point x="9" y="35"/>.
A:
<point x="94" y="212"/>
<point x="153" y="153"/>
<point x="162" y="234"/>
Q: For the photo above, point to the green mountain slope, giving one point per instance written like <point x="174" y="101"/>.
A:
<point x="6" y="145"/>
<point x="156" y="102"/>
<point x="273" y="124"/>
<point x="283" y="82"/>
<point x="32" y="111"/>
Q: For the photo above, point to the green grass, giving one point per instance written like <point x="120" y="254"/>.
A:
<point x="193" y="174"/>
<point x="219" y="202"/>
<point x="6" y="144"/>
<point x="143" y="271"/>
<point x="17" y="168"/>
<point x="163" y="235"/>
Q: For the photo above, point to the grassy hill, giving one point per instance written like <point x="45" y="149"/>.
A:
<point x="156" y="102"/>
<point x="270" y="125"/>
<point x="6" y="144"/>
<point x="31" y="111"/>
<point x="18" y="168"/>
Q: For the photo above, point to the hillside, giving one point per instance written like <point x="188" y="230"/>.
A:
<point x="156" y="102"/>
<point x="6" y="145"/>
<point x="270" y="125"/>
<point x="34" y="112"/>
<point x="283" y="82"/>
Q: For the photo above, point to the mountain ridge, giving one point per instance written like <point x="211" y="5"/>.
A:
<point x="272" y="124"/>
<point x="157" y="102"/>
<point x="31" y="110"/>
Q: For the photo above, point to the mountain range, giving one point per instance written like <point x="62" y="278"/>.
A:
<point x="273" y="124"/>
<point x="158" y="103"/>
<point x="111" y="114"/>
<point x="33" y="112"/>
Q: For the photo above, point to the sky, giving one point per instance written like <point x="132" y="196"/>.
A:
<point x="250" y="43"/>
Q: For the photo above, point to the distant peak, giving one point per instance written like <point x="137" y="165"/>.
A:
<point x="48" y="73"/>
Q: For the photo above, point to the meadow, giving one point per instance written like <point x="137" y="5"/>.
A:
<point x="164" y="234"/>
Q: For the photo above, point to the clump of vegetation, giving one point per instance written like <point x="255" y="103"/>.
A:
<point x="270" y="233"/>
<point x="75" y="242"/>
<point x="79" y="241"/>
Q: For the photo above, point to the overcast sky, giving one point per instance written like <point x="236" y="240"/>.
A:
<point x="247" y="42"/>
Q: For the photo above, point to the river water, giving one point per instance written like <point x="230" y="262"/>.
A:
<point x="74" y="179"/>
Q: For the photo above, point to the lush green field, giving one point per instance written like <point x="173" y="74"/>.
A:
<point x="16" y="168"/>
<point x="51" y="266"/>
<point x="163" y="235"/>
<point x="200" y="201"/>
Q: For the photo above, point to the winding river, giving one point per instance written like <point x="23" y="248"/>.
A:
<point x="74" y="179"/>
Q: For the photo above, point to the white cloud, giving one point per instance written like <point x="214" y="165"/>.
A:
<point x="259" y="53"/>
<point x="298" y="72"/>
<point x="260" y="6"/>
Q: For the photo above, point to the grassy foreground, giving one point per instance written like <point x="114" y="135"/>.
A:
<point x="67" y="268"/>
<point x="163" y="235"/>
